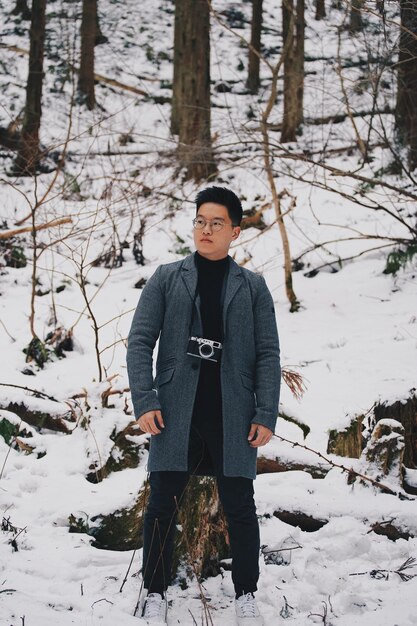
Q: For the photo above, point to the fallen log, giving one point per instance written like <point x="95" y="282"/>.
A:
<point x="269" y="466"/>
<point x="309" y="524"/>
<point x="120" y="530"/>
<point x="37" y="418"/>
<point x="300" y="519"/>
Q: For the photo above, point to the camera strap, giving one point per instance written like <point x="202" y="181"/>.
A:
<point x="222" y="297"/>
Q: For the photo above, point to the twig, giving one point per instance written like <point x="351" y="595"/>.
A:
<point x="324" y="616"/>
<point x="102" y="600"/>
<point x="7" y="332"/>
<point x="194" y="620"/>
<point x="127" y="572"/>
<point x="384" y="573"/>
<point x="35" y="391"/>
<point x="350" y="471"/>
<point x="27" y="229"/>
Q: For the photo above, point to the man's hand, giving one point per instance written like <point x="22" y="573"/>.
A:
<point x="259" y="435"/>
<point x="149" y="422"/>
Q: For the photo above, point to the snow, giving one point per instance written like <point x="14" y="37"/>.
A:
<point x="354" y="339"/>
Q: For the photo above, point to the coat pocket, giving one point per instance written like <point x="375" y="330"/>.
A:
<point x="247" y="381"/>
<point x="164" y="376"/>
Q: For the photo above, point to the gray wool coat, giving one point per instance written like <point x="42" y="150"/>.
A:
<point x="250" y="363"/>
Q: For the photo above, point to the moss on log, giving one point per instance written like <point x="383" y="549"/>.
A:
<point x="126" y="453"/>
<point x="347" y="442"/>
<point x="120" y="530"/>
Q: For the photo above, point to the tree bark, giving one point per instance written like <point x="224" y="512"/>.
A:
<point x="406" y="414"/>
<point x="177" y="83"/>
<point x="253" y="81"/>
<point x="355" y="21"/>
<point x="194" y="148"/>
<point x="27" y="159"/>
<point x="406" y="109"/>
<point x="88" y="38"/>
<point x="299" y="57"/>
<point x="320" y="10"/>
<point x="293" y="40"/>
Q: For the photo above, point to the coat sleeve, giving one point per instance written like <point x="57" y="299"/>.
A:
<point x="267" y="366"/>
<point x="144" y="332"/>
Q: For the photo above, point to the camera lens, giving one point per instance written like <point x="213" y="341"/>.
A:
<point x="206" y="350"/>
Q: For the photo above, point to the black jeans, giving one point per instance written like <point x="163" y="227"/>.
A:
<point x="236" y="496"/>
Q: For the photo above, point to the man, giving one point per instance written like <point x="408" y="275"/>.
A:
<point x="214" y="400"/>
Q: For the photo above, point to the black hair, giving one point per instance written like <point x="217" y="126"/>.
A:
<point x="225" y="197"/>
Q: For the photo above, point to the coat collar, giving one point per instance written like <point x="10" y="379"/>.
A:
<point x="234" y="281"/>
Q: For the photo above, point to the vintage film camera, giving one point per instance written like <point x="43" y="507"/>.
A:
<point x="205" y="349"/>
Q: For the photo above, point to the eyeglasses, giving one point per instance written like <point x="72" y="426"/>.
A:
<point x="215" y="225"/>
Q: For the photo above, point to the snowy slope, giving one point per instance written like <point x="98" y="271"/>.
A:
<point x="354" y="340"/>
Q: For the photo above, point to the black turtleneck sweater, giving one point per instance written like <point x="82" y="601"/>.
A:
<point x="208" y="402"/>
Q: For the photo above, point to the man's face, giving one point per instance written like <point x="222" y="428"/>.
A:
<point x="214" y="245"/>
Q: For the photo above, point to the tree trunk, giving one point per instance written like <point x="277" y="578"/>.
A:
<point x="194" y="148"/>
<point x="22" y="9"/>
<point x="178" y="78"/>
<point x="355" y="22"/>
<point x="406" y="414"/>
<point x="406" y="110"/>
<point x="88" y="38"/>
<point x="299" y="58"/>
<point x="293" y="40"/>
<point x="320" y="10"/>
<point x="348" y="442"/>
<point x="27" y="158"/>
<point x="253" y="81"/>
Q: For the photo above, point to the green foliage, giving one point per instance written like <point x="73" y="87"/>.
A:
<point x="288" y="418"/>
<point x="16" y="257"/>
<point x="13" y="254"/>
<point x="37" y="351"/>
<point x="399" y="257"/>
<point x="56" y="343"/>
<point x="8" y="430"/>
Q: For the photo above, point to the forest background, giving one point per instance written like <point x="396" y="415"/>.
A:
<point x="113" y="114"/>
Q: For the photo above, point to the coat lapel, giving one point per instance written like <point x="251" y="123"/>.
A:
<point x="234" y="281"/>
<point x="190" y="276"/>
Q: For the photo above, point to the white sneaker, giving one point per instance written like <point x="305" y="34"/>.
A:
<point x="155" y="609"/>
<point x="247" y="611"/>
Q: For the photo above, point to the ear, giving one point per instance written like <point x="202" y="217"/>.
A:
<point x="236" y="232"/>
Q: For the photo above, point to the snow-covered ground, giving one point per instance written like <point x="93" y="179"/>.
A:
<point x="354" y="339"/>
